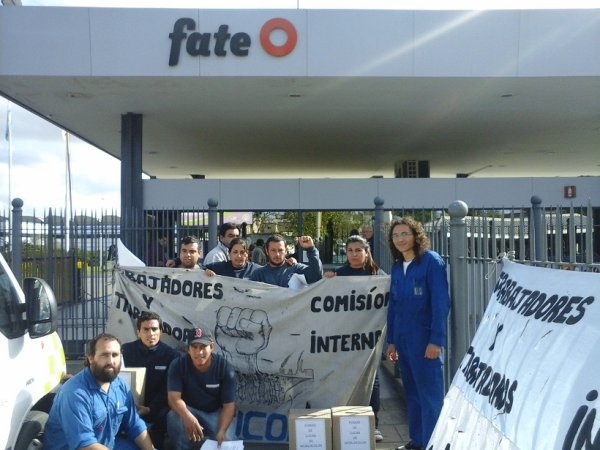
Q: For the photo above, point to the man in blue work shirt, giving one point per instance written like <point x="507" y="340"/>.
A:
<point x="96" y="405"/>
<point x="150" y="352"/>
<point x="279" y="273"/>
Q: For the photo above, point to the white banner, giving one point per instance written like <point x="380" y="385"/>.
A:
<point x="530" y="377"/>
<point x="318" y="347"/>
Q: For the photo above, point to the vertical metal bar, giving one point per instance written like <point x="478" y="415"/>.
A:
<point x="378" y="239"/>
<point x="212" y="223"/>
<point x="511" y="233"/>
<point x="571" y="230"/>
<point x="16" y="255"/>
<point x="458" y="288"/>
<point x="589" y="234"/>
<point x="502" y="235"/>
<point x="557" y="225"/>
<point x="50" y="258"/>
<point x="299" y="219"/>
<point x="535" y="231"/>
<point x="522" y="233"/>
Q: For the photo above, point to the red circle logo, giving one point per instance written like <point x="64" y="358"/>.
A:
<point x="278" y="24"/>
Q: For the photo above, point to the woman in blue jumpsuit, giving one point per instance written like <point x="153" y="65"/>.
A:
<point x="417" y="314"/>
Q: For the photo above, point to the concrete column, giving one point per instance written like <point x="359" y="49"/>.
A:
<point x="459" y="314"/>
<point x="133" y="225"/>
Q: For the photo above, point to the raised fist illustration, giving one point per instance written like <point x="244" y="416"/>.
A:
<point x="242" y="333"/>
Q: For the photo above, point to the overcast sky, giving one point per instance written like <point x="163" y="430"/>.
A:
<point x="38" y="171"/>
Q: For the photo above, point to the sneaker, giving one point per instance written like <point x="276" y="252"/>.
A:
<point x="409" y="446"/>
<point x="378" y="435"/>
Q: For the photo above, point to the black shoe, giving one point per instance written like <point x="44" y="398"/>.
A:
<point x="409" y="446"/>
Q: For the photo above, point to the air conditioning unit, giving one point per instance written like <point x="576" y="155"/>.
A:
<point x="411" y="168"/>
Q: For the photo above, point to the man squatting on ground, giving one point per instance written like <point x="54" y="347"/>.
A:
<point x="150" y="352"/>
<point x="201" y="389"/>
<point x="95" y="409"/>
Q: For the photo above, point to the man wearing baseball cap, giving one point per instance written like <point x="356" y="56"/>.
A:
<point x="201" y="389"/>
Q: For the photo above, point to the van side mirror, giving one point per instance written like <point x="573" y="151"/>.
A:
<point x="41" y="309"/>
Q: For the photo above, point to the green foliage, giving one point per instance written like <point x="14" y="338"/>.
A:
<point x="340" y="222"/>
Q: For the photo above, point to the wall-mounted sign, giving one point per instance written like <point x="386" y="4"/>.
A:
<point x="570" y="191"/>
<point x="219" y="43"/>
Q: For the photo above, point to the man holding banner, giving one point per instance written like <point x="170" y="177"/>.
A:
<point x="189" y="254"/>
<point x="281" y="342"/>
<point x="279" y="273"/>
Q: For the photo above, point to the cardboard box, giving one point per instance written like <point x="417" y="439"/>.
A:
<point x="135" y="378"/>
<point x="309" y="429"/>
<point x="353" y="428"/>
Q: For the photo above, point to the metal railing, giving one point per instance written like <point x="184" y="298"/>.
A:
<point x="75" y="253"/>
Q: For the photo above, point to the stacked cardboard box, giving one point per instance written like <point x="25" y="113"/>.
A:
<point x="353" y="428"/>
<point x="338" y="428"/>
<point x="310" y="429"/>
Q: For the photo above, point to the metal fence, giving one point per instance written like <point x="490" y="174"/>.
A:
<point x="75" y="253"/>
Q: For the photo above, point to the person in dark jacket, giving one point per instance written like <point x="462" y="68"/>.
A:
<point x="360" y="262"/>
<point x="237" y="266"/>
<point x="150" y="352"/>
<point x="279" y="271"/>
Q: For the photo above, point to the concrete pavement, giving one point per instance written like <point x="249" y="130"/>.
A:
<point x="393" y="422"/>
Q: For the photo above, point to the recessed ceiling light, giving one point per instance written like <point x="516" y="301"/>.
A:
<point x="78" y="95"/>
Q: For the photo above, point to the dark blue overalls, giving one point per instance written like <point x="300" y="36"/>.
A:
<point x="417" y="314"/>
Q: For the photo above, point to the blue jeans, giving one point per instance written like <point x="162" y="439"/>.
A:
<point x="209" y="421"/>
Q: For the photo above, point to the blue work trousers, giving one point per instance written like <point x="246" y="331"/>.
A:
<point x="423" y="382"/>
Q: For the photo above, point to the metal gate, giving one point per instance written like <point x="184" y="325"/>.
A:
<point x="76" y="253"/>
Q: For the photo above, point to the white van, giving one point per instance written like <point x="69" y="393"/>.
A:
<point x="32" y="359"/>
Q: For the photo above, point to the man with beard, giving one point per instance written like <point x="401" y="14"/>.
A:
<point x="95" y="406"/>
<point x="279" y="273"/>
<point x="189" y="254"/>
<point x="150" y="352"/>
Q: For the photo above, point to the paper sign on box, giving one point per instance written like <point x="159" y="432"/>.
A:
<point x="353" y="428"/>
<point x="135" y="378"/>
<point x="310" y="429"/>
